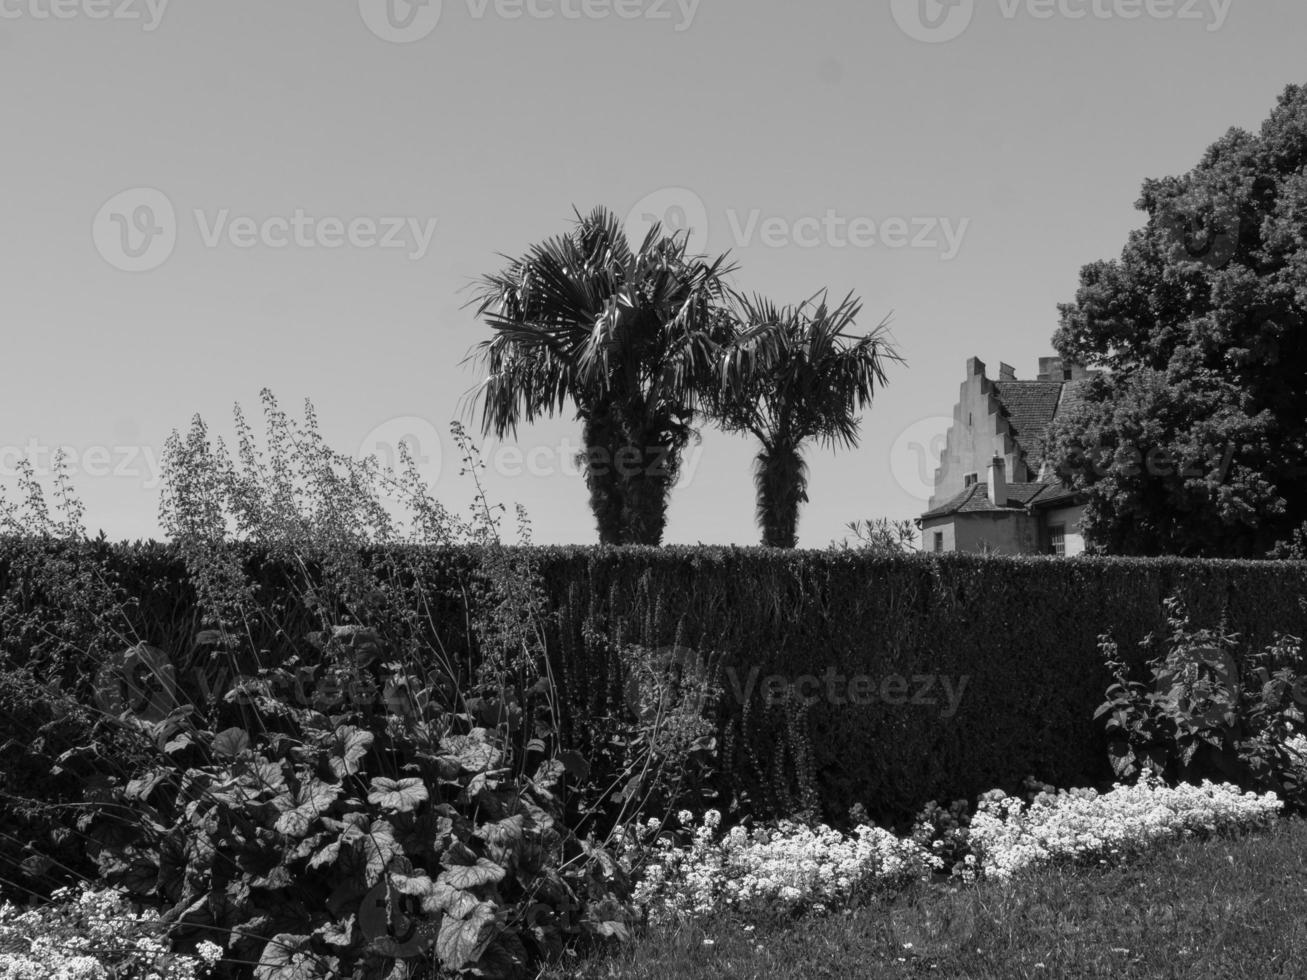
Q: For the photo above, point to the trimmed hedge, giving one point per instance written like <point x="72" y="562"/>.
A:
<point x="1023" y="632"/>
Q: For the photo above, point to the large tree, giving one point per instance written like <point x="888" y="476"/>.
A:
<point x="1195" y="439"/>
<point x="624" y="335"/>
<point x="794" y="375"/>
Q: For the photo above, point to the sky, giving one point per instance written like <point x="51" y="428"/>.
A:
<point x="204" y="199"/>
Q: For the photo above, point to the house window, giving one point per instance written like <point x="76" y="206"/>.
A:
<point x="971" y="479"/>
<point x="939" y="542"/>
<point x="1057" y="540"/>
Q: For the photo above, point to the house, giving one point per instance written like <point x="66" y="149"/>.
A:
<point x="994" y="490"/>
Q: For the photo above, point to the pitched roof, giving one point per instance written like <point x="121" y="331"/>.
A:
<point x="975" y="499"/>
<point x="1030" y="407"/>
<point x="1056" y="495"/>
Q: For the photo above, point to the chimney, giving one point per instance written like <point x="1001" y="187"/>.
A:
<point x="998" y="482"/>
<point x="975" y="368"/>
<point x="1056" y="369"/>
<point x="1006" y="372"/>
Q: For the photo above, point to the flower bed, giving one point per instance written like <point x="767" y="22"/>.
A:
<point x="91" y="936"/>
<point x="790" y="868"/>
<point x="1007" y="835"/>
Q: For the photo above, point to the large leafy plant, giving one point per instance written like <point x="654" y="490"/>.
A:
<point x="1200" y="716"/>
<point x="363" y="822"/>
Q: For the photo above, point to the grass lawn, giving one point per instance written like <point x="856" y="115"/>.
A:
<point x="1222" y="909"/>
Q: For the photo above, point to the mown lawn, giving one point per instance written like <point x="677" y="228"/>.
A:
<point x="1220" y="910"/>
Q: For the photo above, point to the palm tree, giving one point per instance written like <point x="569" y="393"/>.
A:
<point x="628" y="337"/>
<point x="794" y="374"/>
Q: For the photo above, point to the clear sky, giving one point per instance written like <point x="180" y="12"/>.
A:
<point x="202" y="199"/>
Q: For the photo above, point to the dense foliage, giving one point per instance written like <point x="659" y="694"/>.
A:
<point x="622" y="332"/>
<point x="646" y="342"/>
<point x="1195" y="442"/>
<point x="1211" y="710"/>
<point x="792" y="375"/>
<point x="1015" y="640"/>
<point x="258" y="734"/>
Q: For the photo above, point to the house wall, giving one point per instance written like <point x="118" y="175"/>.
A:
<point x="1012" y="533"/>
<point x="941" y="525"/>
<point x="1070" y="518"/>
<point x="979" y="433"/>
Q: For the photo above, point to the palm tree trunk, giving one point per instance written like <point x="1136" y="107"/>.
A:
<point x="781" y="478"/>
<point x="602" y="439"/>
<point x="653" y="465"/>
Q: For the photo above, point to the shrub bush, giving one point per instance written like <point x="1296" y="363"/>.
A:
<point x="1210" y="710"/>
<point x="1021" y="634"/>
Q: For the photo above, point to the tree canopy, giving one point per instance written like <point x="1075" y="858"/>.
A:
<point x="1194" y="440"/>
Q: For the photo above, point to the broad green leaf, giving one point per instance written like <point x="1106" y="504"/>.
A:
<point x="338" y="932"/>
<point x="463" y="940"/>
<point x="231" y="743"/>
<point x="327" y="855"/>
<point x="473" y="752"/>
<point x="403" y="795"/>
<point x="474" y="875"/>
<point x="264" y="775"/>
<point x="611" y="930"/>
<point x="419" y="885"/>
<point x="504" y="833"/>
<point x="312" y="800"/>
<point x="184" y="740"/>
<point x="351" y="745"/>
<point x="379" y="849"/>
<point x="284" y="959"/>
<point x="549" y="773"/>
<point x="445" y="897"/>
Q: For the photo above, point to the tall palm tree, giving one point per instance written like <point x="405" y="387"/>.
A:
<point x="795" y="374"/>
<point x="627" y="336"/>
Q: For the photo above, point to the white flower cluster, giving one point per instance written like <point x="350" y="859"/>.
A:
<point x="785" y="868"/>
<point x="1008" y="836"/>
<point x="1297" y="747"/>
<point x="92" y="936"/>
